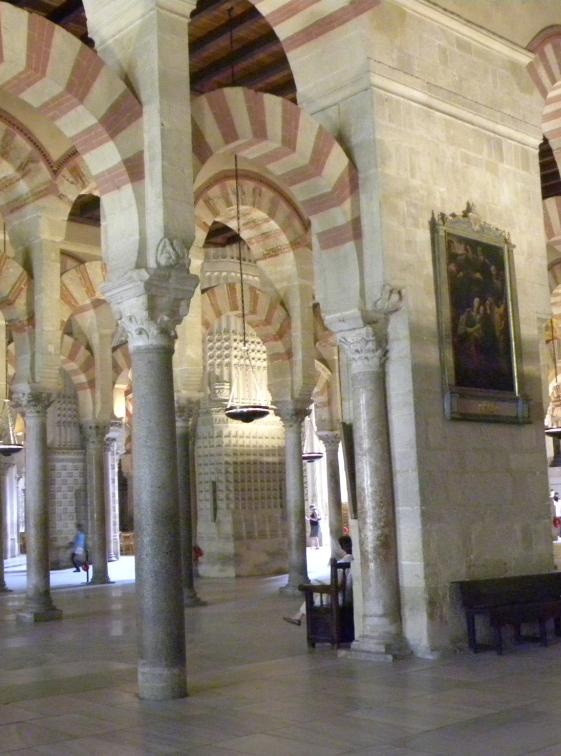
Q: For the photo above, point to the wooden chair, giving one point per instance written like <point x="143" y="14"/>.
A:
<point x="329" y="608"/>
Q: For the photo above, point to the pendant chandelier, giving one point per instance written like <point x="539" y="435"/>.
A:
<point x="555" y="430"/>
<point x="237" y="409"/>
<point x="308" y="455"/>
<point x="10" y="446"/>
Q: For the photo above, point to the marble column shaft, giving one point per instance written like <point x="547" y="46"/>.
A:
<point x="292" y="415"/>
<point x="382" y="631"/>
<point x="331" y="441"/>
<point x="183" y="414"/>
<point x="38" y="605"/>
<point x="109" y="469"/>
<point x="94" y="433"/>
<point x="3" y="504"/>
<point x="160" y="603"/>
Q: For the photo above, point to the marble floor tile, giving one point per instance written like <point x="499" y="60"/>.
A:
<point x="69" y="688"/>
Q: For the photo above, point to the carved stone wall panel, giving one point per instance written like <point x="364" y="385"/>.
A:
<point x="240" y="494"/>
<point x="67" y="501"/>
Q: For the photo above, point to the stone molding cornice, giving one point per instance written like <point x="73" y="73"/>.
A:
<point x="366" y="348"/>
<point x="400" y="84"/>
<point x="292" y="413"/>
<point x="150" y="303"/>
<point x="32" y="402"/>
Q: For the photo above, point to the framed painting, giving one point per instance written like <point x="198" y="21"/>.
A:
<point x="477" y="320"/>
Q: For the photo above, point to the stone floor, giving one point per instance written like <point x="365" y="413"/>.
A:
<point x="68" y="688"/>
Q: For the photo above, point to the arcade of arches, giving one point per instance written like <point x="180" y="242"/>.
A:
<point x="354" y="122"/>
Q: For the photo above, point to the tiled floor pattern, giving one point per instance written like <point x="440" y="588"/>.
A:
<point x="69" y="688"/>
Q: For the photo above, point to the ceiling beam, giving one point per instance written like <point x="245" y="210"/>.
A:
<point x="64" y="11"/>
<point x="222" y="31"/>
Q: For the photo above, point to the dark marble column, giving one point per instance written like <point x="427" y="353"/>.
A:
<point x="94" y="435"/>
<point x="292" y="415"/>
<point x="184" y="411"/>
<point x="4" y="466"/>
<point x="382" y="637"/>
<point x="38" y="606"/>
<point x="330" y="440"/>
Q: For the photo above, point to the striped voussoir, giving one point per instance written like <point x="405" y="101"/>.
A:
<point x="14" y="283"/>
<point x="78" y="362"/>
<point x="45" y="66"/>
<point x="121" y="365"/>
<point x="300" y="22"/>
<point x="292" y="146"/>
<point x="276" y="219"/>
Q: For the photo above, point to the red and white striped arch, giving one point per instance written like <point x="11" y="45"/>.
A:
<point x="277" y="221"/>
<point x="121" y="366"/>
<point x="291" y="145"/>
<point x="264" y="314"/>
<point x="14" y="285"/>
<point x="49" y="69"/>
<point x="300" y="22"/>
<point x="304" y="158"/>
<point x="78" y="363"/>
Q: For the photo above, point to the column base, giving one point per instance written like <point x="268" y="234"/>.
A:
<point x="39" y="615"/>
<point x="374" y="649"/>
<point x="100" y="581"/>
<point x="191" y="599"/>
<point x="291" y="590"/>
<point x="111" y="558"/>
<point x="161" y="683"/>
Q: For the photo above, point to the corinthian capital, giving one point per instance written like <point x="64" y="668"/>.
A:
<point x="366" y="348"/>
<point x="94" y="432"/>
<point x="185" y="409"/>
<point x="150" y="303"/>
<point x="32" y="400"/>
<point x="292" y="413"/>
<point x="330" y="440"/>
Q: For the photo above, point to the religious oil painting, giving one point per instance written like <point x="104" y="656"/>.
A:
<point x="477" y="319"/>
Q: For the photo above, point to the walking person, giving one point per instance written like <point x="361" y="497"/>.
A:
<point x="314" y="519"/>
<point x="78" y="556"/>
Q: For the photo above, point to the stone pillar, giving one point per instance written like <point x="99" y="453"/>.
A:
<point x="94" y="433"/>
<point x="4" y="466"/>
<point x="292" y="414"/>
<point x="184" y="410"/>
<point x="331" y="440"/>
<point x="382" y="637"/>
<point x="38" y="605"/>
<point x="149" y="304"/>
<point x="110" y="477"/>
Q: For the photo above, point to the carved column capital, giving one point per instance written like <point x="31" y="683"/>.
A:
<point x="292" y="413"/>
<point x="366" y="348"/>
<point x="185" y="410"/>
<point x="150" y="303"/>
<point x="32" y="401"/>
<point x="94" y="432"/>
<point x="330" y="440"/>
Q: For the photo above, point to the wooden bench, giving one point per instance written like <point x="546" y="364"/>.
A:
<point x="329" y="608"/>
<point x="515" y="601"/>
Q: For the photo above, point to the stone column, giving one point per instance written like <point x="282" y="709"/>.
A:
<point x="149" y="304"/>
<point x="4" y="466"/>
<point x="109" y="469"/>
<point x="94" y="434"/>
<point x="184" y="410"/>
<point x="331" y="441"/>
<point x="366" y="350"/>
<point x="38" y="606"/>
<point x="292" y="414"/>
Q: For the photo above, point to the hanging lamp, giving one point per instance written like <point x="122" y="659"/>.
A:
<point x="555" y="430"/>
<point x="245" y="412"/>
<point x="310" y="455"/>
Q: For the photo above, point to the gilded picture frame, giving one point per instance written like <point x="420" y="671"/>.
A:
<point x="477" y="320"/>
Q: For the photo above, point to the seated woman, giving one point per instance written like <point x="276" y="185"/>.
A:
<point x="346" y="544"/>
